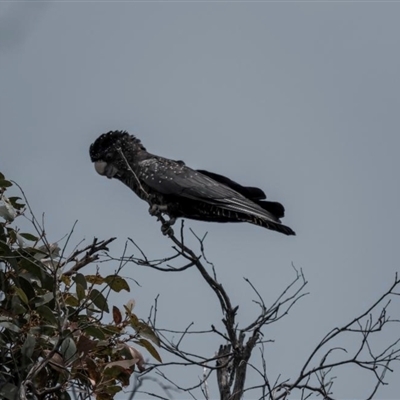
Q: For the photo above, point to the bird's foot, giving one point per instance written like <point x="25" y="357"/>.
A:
<point x="157" y="209"/>
<point x="166" y="227"/>
<point x="167" y="230"/>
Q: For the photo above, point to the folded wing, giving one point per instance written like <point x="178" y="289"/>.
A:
<point x="172" y="178"/>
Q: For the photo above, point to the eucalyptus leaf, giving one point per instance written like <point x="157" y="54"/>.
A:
<point x="95" y="332"/>
<point x="117" y="283"/>
<point x="46" y="313"/>
<point x="21" y="294"/>
<point x="9" y="392"/>
<point x="113" y="389"/>
<point x="10" y="326"/>
<point x="5" y="183"/>
<point x="145" y="331"/>
<point x="46" y="298"/>
<point x="29" y="346"/>
<point x="150" y="348"/>
<point x="81" y="280"/>
<point x="80" y="292"/>
<point x="14" y="202"/>
<point x="71" y="300"/>
<point x="68" y="349"/>
<point x="99" y="300"/>
<point x="94" y="279"/>
<point x="30" y="237"/>
<point x="26" y="285"/>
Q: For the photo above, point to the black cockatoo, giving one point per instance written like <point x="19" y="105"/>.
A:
<point x="170" y="187"/>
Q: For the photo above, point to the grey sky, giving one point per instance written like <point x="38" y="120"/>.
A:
<point x="301" y="99"/>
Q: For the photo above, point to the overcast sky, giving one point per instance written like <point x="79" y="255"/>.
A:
<point x="298" y="98"/>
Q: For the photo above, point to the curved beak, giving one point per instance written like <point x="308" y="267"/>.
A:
<point x="104" y="169"/>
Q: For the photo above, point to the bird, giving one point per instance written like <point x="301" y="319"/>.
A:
<point x="172" y="188"/>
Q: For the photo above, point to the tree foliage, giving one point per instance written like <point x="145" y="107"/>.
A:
<point x="55" y="341"/>
<point x="60" y="337"/>
<point x="241" y="344"/>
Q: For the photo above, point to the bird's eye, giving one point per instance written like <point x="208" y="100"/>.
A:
<point x="108" y="156"/>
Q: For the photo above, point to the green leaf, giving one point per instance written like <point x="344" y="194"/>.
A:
<point x="26" y="285"/>
<point x="4" y="183"/>
<point x="99" y="300"/>
<point x="30" y="237"/>
<point x="80" y="279"/>
<point x="45" y="330"/>
<point x="9" y="392"/>
<point x="12" y="234"/>
<point x="46" y="298"/>
<point x="68" y="349"/>
<point x="37" y="269"/>
<point x="111" y="329"/>
<point x="10" y="326"/>
<point x="15" y="204"/>
<point x="150" y="348"/>
<point x="95" y="332"/>
<point x="94" y="279"/>
<point x="80" y="291"/>
<point x="145" y="331"/>
<point x="28" y="346"/>
<point x="134" y="321"/>
<point x="113" y="389"/>
<point x="71" y="300"/>
<point x="47" y="314"/>
<point x="116" y="283"/>
<point x="30" y="264"/>
<point x="66" y="280"/>
<point x="21" y="294"/>
<point x="16" y="306"/>
<point x="5" y="250"/>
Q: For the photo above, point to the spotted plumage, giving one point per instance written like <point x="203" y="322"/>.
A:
<point x="174" y="189"/>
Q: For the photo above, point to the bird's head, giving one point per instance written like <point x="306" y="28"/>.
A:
<point x="106" y="150"/>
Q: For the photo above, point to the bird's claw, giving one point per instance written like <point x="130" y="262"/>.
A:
<point x="157" y="209"/>
<point x="166" y="227"/>
<point x="167" y="230"/>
